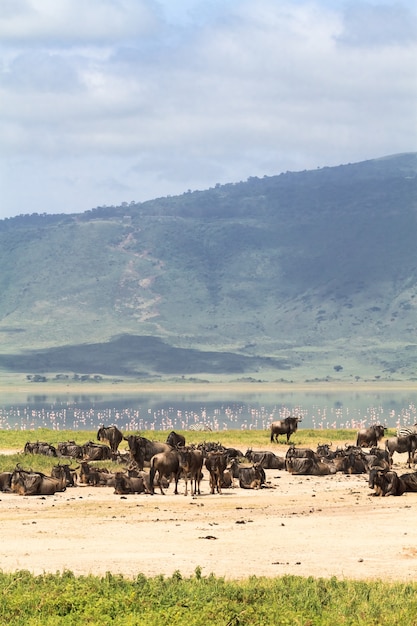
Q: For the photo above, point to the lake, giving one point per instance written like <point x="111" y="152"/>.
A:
<point x="214" y="411"/>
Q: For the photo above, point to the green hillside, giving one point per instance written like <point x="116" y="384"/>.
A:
<point x="299" y="276"/>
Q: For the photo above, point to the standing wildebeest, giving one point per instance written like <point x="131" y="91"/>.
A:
<point x="111" y="434"/>
<point x="402" y="444"/>
<point x="216" y="463"/>
<point x="287" y="427"/>
<point x="142" y="449"/>
<point x="165" y="464"/>
<point x="191" y="462"/>
<point x="369" y="437"/>
<point x="174" y="439"/>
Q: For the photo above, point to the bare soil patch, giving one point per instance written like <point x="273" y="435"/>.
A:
<point x="301" y="525"/>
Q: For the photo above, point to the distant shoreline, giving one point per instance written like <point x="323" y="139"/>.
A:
<point x="191" y="388"/>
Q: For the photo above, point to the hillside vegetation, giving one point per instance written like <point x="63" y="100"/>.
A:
<point x="307" y="275"/>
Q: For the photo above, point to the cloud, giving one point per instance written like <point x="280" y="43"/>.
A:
<point x="378" y="24"/>
<point x="107" y="101"/>
<point x="69" y="22"/>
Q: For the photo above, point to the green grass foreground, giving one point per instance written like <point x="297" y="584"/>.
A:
<point x="51" y="600"/>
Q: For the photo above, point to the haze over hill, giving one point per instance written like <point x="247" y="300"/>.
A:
<point x="299" y="276"/>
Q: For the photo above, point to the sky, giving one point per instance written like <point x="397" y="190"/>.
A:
<point x="111" y="101"/>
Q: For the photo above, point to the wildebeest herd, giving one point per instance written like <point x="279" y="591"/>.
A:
<point x="147" y="464"/>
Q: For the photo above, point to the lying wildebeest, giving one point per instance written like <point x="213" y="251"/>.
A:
<point x="70" y="474"/>
<point x="71" y="449"/>
<point x="191" y="462"/>
<point x="111" y="434"/>
<point x="40" y="447"/>
<point x="216" y="463"/>
<point x="124" y="484"/>
<point x="299" y="453"/>
<point x="174" y="439"/>
<point x="267" y="459"/>
<point x="142" y="449"/>
<point x="134" y="472"/>
<point x="306" y="466"/>
<point x="410" y="481"/>
<point x="252" y="477"/>
<point x="27" y="483"/>
<point x="369" y="437"/>
<point x="233" y="453"/>
<point x="96" y="452"/>
<point x="386" y="483"/>
<point x="355" y="463"/>
<point x="378" y="457"/>
<point x="95" y="476"/>
<point x="402" y="444"/>
<point x="287" y="426"/>
<point x="323" y="450"/>
<point x="5" y="481"/>
<point x="164" y="464"/>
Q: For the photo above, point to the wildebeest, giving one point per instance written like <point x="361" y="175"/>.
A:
<point x="5" y="481"/>
<point x="354" y="462"/>
<point x="386" y="483"/>
<point x="369" y="437"/>
<point x="174" y="439"/>
<point x="216" y="463"/>
<point x="323" y="450"/>
<point x="307" y="466"/>
<point x="410" y="481"/>
<point x="96" y="452"/>
<point x="377" y="457"/>
<point x="142" y="449"/>
<point x="27" y="483"/>
<point x="287" y="427"/>
<point x="111" y="434"/>
<point x="95" y="476"/>
<point x="252" y="477"/>
<point x="124" y="484"/>
<point x="70" y="474"/>
<point x="191" y="462"/>
<point x="267" y="459"/>
<point x="164" y="464"/>
<point x="71" y="449"/>
<point x="299" y="453"/>
<point x="40" y="447"/>
<point x="402" y="444"/>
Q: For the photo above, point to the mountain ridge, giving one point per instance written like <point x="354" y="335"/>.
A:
<point x="312" y="270"/>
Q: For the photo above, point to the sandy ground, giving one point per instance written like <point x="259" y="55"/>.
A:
<point x="324" y="526"/>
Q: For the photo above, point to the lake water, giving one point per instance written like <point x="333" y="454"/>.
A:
<point x="218" y="413"/>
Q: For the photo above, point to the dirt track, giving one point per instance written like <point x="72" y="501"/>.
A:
<point x="301" y="525"/>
